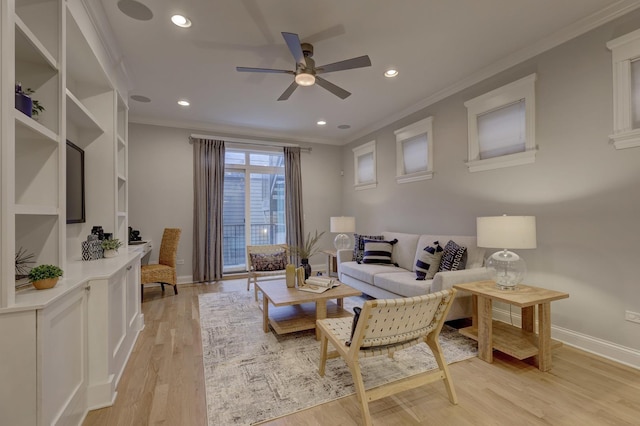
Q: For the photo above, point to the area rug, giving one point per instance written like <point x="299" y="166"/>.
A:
<point x="252" y="376"/>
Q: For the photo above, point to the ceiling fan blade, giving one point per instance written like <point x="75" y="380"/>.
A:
<point x="293" y="42"/>
<point x="338" y="91"/>
<point x="359" y="62"/>
<point x="285" y="95"/>
<point x="269" y="70"/>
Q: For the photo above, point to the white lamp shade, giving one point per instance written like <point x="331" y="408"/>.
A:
<point x="342" y="224"/>
<point x="507" y="232"/>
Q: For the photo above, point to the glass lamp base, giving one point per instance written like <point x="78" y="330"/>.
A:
<point x="507" y="268"/>
<point x="342" y="242"/>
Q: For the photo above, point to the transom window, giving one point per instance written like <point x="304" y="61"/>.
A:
<point x="364" y="157"/>
<point x="414" y="151"/>
<point x="501" y="126"/>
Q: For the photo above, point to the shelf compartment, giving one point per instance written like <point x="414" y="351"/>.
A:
<point x="511" y="340"/>
<point x="28" y="128"/>
<point x="82" y="118"/>
<point x="42" y="17"/>
<point x="39" y="234"/>
<point x="36" y="173"/>
<point x="29" y="48"/>
<point x="27" y="209"/>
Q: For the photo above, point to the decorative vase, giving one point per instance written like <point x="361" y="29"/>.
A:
<point x="291" y="275"/>
<point x="46" y="283"/>
<point x="307" y="268"/>
<point x="24" y="104"/>
<point x="110" y="253"/>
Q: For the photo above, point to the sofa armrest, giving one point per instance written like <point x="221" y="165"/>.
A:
<point x="447" y="279"/>
<point x="343" y="255"/>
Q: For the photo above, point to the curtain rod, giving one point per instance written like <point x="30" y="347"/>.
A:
<point x="247" y="141"/>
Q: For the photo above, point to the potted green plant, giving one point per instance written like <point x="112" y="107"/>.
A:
<point x="26" y="104"/>
<point x="308" y="249"/>
<point x="44" y="276"/>
<point x="111" y="247"/>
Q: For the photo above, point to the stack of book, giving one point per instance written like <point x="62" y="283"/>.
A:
<point x="318" y="284"/>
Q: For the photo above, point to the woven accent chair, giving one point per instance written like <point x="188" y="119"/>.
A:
<point x="385" y="326"/>
<point x="255" y="271"/>
<point x="165" y="271"/>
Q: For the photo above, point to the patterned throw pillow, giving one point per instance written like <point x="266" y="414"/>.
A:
<point x="454" y="257"/>
<point x="428" y="261"/>
<point x="358" y="247"/>
<point x="376" y="251"/>
<point x="269" y="261"/>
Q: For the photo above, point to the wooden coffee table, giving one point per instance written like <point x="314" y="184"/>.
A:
<point x="522" y="342"/>
<point x="294" y="310"/>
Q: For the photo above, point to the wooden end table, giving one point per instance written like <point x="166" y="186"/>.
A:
<point x="522" y="342"/>
<point x="332" y="262"/>
<point x="295" y="310"/>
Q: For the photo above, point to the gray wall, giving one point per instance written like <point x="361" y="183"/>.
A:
<point x="582" y="190"/>
<point x="161" y="188"/>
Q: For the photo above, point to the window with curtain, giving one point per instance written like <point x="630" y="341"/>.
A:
<point x="501" y="126"/>
<point x="254" y="207"/>
<point x="625" y="54"/>
<point x="364" y="157"/>
<point x="414" y="151"/>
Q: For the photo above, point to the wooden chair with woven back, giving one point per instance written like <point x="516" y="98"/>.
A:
<point x="267" y="261"/>
<point x="165" y="271"/>
<point x="383" y="327"/>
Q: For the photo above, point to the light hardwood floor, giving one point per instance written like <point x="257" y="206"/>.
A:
<point x="163" y="383"/>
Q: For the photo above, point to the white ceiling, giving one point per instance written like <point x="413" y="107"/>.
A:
<point x="435" y="44"/>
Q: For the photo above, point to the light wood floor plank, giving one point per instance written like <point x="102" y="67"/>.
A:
<point x="163" y="383"/>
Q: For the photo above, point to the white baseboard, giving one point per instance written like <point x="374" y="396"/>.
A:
<point x="603" y="348"/>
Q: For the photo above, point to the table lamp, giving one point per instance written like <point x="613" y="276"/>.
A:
<point x="506" y="232"/>
<point x="342" y="225"/>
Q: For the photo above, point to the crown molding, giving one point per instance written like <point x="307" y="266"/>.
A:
<point x="98" y="18"/>
<point x="580" y="27"/>
<point x="232" y="131"/>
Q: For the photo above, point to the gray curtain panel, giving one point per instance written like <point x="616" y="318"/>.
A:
<point x="293" y="198"/>
<point x="208" y="184"/>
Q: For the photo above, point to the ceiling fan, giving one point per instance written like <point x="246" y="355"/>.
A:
<point x="306" y="73"/>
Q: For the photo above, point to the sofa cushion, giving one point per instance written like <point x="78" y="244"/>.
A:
<point x="429" y="261"/>
<point x="402" y="283"/>
<point x="404" y="252"/>
<point x="453" y="258"/>
<point x="378" y="252"/>
<point x="358" y="246"/>
<point x="365" y="272"/>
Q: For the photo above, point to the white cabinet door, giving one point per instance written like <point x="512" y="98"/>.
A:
<point x="62" y="360"/>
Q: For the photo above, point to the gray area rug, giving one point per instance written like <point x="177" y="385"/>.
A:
<point x="252" y="376"/>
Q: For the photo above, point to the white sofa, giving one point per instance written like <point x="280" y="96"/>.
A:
<point x="390" y="281"/>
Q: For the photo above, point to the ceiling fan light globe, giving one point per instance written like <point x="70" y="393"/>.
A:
<point x="304" y="79"/>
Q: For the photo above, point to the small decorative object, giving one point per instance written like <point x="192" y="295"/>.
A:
<point x="291" y="275"/>
<point x="25" y="103"/>
<point x="92" y="248"/>
<point x="300" y="276"/>
<point x="23" y="259"/>
<point x="307" y="250"/>
<point x="44" y="276"/>
<point x="111" y="247"/>
<point x="97" y="230"/>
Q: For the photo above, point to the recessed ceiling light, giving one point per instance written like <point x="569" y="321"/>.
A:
<point x="321" y="123"/>
<point x="391" y="73"/>
<point x="344" y="127"/>
<point x="135" y="10"/>
<point x="181" y="21"/>
<point x="183" y="102"/>
<point x="140" y="98"/>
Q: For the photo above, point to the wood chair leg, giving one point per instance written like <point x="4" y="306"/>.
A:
<point x="324" y="343"/>
<point x="434" y="344"/>
<point x="360" y="392"/>
<point x="162" y="285"/>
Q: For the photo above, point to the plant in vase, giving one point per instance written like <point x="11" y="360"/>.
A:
<point x="111" y="247"/>
<point x="26" y="104"/>
<point x="308" y="249"/>
<point x="44" y="276"/>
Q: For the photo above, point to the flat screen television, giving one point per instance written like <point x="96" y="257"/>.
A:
<point x="75" y="184"/>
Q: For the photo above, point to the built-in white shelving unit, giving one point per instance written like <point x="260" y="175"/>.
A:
<point x="88" y="323"/>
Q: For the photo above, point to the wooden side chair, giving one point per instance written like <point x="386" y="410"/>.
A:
<point x="267" y="261"/>
<point x="165" y="271"/>
<point x="385" y="326"/>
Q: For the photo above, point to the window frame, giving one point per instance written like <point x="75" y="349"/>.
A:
<point x="624" y="50"/>
<point x="414" y="130"/>
<point x="522" y="89"/>
<point x="358" y="153"/>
